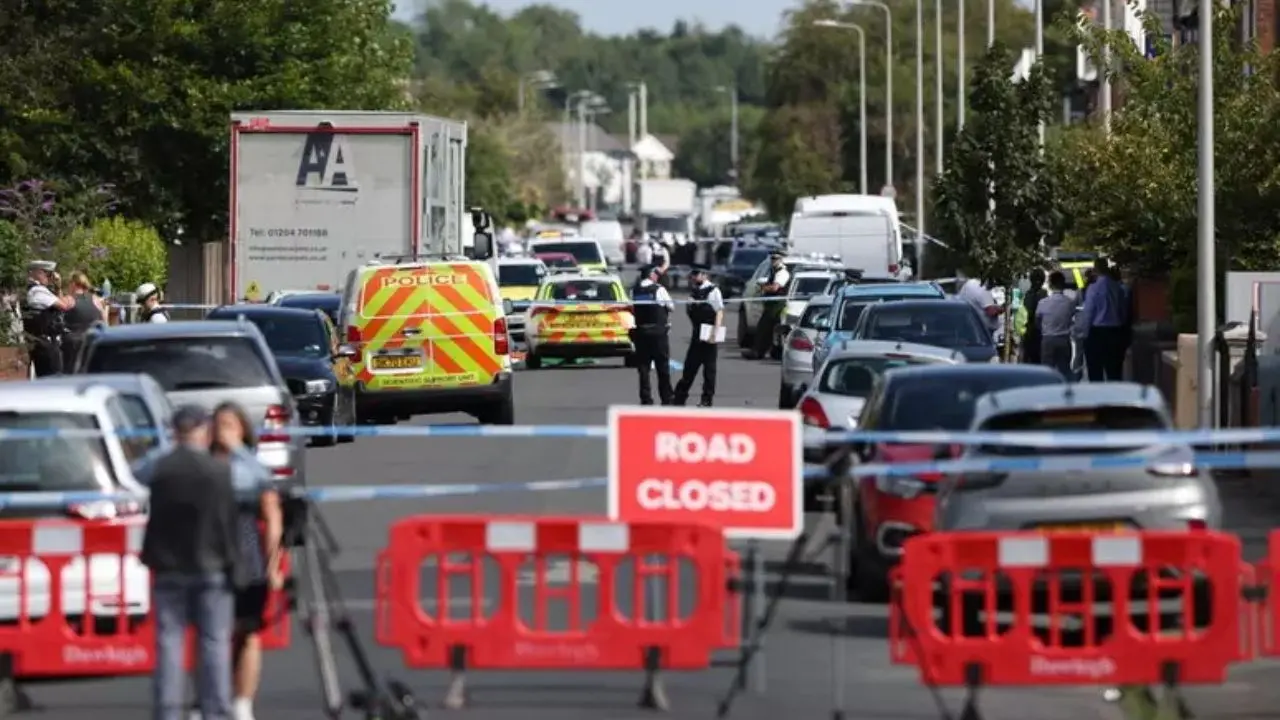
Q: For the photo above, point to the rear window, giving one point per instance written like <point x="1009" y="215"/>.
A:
<point x="583" y="252"/>
<point x="815" y="316"/>
<point x="585" y="290"/>
<point x="809" y="286"/>
<point x="54" y="463"/>
<point x="523" y="274"/>
<point x="850" y="312"/>
<point x="945" y="402"/>
<point x="855" y="376"/>
<point x="1067" y="420"/>
<point x="185" y="363"/>
<point x="747" y="258"/>
<point x="943" y="324"/>
<point x="329" y="304"/>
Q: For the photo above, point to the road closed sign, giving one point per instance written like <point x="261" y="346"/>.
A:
<point x="739" y="470"/>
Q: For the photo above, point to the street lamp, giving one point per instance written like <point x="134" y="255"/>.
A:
<point x="862" y="95"/>
<point x="538" y="80"/>
<point x="732" y="92"/>
<point x="589" y="105"/>
<point x="1206" y="273"/>
<point x="939" y="110"/>
<point x="920" y="229"/>
<point x="888" y="85"/>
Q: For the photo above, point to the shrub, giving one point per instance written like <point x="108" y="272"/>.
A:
<point x="125" y="252"/>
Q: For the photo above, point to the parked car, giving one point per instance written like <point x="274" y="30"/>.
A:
<point x="749" y="311"/>
<point x="207" y="363"/>
<point x="948" y="324"/>
<point x="143" y="402"/>
<point x="851" y="300"/>
<point x="890" y="509"/>
<point x="328" y="303"/>
<point x="797" y="350"/>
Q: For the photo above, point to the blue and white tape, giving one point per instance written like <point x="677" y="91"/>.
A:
<point x="534" y="303"/>
<point x="1100" y="440"/>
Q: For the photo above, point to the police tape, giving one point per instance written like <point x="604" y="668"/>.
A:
<point x="1171" y="468"/>
<point x="1104" y="439"/>
<point x="520" y="305"/>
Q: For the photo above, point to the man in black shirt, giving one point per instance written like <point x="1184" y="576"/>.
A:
<point x="1031" y="340"/>
<point x="191" y="547"/>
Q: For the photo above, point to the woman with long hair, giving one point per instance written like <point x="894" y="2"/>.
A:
<point x="261" y="528"/>
<point x="87" y="310"/>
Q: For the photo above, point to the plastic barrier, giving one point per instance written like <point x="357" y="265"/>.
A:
<point x="1069" y="609"/>
<point x="615" y="616"/>
<point x="75" y="601"/>
<point x="1267" y="575"/>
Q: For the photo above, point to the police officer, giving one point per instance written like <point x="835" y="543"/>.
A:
<point x="773" y="287"/>
<point x="706" y="312"/>
<point x="650" y="336"/>
<point x="43" y="318"/>
<point x="148" y="297"/>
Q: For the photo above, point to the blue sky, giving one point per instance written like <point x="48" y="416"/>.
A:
<point x="758" y="17"/>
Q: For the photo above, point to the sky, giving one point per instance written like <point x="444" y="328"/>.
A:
<point x="761" y="18"/>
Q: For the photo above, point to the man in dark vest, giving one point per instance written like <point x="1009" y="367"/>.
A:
<point x="1032" y="340"/>
<point x="652" y="311"/>
<point x="706" y="313"/>
<point x="773" y="292"/>
<point x="43" y="319"/>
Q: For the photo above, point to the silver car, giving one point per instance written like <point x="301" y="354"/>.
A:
<point x="1163" y="491"/>
<point x="797" y="349"/>
<point x="207" y="363"/>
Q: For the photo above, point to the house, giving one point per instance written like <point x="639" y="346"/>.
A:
<point x="604" y="167"/>
<point x="654" y="157"/>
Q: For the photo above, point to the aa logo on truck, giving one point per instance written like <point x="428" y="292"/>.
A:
<point x="327" y="164"/>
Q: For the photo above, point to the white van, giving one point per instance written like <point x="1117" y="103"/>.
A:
<point x="610" y="236"/>
<point x="861" y="230"/>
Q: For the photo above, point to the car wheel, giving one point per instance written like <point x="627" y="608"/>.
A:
<point x="502" y="412"/>
<point x="744" y="333"/>
<point x="330" y="436"/>
<point x="785" y="397"/>
<point x="532" y="361"/>
<point x="350" y="421"/>
<point x="870" y="581"/>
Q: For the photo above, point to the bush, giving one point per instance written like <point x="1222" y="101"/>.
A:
<point x="14" y="255"/>
<point x="125" y="252"/>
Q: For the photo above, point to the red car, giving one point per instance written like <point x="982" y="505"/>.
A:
<point x="891" y="508"/>
<point x="558" y="260"/>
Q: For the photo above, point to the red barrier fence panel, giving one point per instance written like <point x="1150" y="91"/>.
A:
<point x="1069" y="608"/>
<point x="578" y="562"/>
<point x="1267" y="575"/>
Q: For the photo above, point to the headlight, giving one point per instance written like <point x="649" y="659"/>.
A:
<point x="315" y="387"/>
<point x="905" y="488"/>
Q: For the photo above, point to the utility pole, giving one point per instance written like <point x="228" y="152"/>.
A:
<point x="1206" y="273"/>
<point x="940" y="111"/>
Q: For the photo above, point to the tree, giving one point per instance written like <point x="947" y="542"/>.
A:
<point x="705" y="153"/>
<point x="138" y="92"/>
<point x="125" y="253"/>
<point x="1132" y="194"/>
<point x="997" y="158"/>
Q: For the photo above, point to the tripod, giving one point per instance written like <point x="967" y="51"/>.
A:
<point x="317" y="597"/>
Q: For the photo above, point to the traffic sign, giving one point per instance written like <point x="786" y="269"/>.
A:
<point x="253" y="293"/>
<point x="738" y="470"/>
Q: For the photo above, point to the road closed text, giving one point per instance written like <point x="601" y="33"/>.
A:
<point x="716" y="495"/>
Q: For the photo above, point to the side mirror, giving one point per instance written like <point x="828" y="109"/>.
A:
<point x="482" y="248"/>
<point x="508" y="307"/>
<point x="346" y="351"/>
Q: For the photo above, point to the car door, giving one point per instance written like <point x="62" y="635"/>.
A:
<point x="752" y="292"/>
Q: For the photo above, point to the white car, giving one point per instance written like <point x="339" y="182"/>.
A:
<point x="89" y="457"/>
<point x="751" y="307"/>
<point x="803" y="335"/>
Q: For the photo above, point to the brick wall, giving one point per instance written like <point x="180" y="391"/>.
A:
<point x="1265" y="21"/>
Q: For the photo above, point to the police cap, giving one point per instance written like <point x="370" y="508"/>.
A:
<point x="699" y="268"/>
<point x="45" y="265"/>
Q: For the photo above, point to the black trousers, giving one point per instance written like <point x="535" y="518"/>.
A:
<point x="1055" y="351"/>
<point x="653" y="348"/>
<point x="700" y="356"/>
<point x="1031" y="347"/>
<point x="46" y="356"/>
<point x="769" y="318"/>
<point x="1104" y="350"/>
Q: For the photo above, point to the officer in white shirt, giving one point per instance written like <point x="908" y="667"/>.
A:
<point x="148" y="296"/>
<point x="706" y="313"/>
<point x="43" y="320"/>
<point x="773" y="291"/>
<point x="978" y="294"/>
<point x="651" y="335"/>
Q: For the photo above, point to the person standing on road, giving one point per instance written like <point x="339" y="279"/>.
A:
<point x="87" y="311"/>
<point x="773" y="287"/>
<point x="261" y="532"/>
<point x="706" y="312"/>
<point x="44" y="318"/>
<point x="651" y="335"/>
<point x="1031" y="340"/>
<point x="979" y="296"/>
<point x="192" y="549"/>
<point x="1053" y="322"/>
<point x="1105" y="308"/>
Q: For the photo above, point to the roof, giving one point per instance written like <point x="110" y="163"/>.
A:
<point x="261" y="311"/>
<point x="920" y="303"/>
<point x="920" y="290"/>
<point x="581" y="277"/>
<point x="970" y="369"/>
<point x="878" y="348"/>
<point x="651" y="148"/>
<point x="1076" y="395"/>
<point x="55" y="397"/>
<point x="822" y="299"/>
<point x="126" y="382"/>
<point x="671" y="142"/>
<point x="597" y="139"/>
<point x="326" y="296"/>
<point x="146" y="332"/>
<point x="522" y="260"/>
<point x="566" y="240"/>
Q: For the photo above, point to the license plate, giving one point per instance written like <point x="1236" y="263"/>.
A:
<point x="401" y="362"/>
<point x="1084" y="527"/>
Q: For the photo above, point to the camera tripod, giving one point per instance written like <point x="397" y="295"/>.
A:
<point x="314" y="594"/>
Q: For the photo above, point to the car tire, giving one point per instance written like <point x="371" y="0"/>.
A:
<point x="629" y="360"/>
<point x="532" y="361"/>
<point x="786" y="397"/>
<point x="744" y="332"/>
<point x="330" y="438"/>
<point x="351" y="421"/>
<point x="502" y="412"/>
<point x="870" y="583"/>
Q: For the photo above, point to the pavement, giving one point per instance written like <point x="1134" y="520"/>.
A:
<point x="798" y="661"/>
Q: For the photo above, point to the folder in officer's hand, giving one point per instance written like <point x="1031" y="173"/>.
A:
<point x="711" y="333"/>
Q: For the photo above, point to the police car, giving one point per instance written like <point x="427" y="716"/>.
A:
<point x="579" y="315"/>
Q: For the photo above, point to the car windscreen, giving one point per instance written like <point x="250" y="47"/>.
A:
<point x="747" y="258"/>
<point x="328" y="304"/>
<point x="854" y="377"/>
<point x="583" y="252"/>
<point x="1073" y="419"/>
<point x="807" y="287"/>
<point x="65" y="463"/>
<point x="945" y="401"/>
<point x="185" y="363"/>
<point x="523" y="274"/>
<point x="815" y="316"/>
<point x="943" y="324"/>
<point x="585" y="291"/>
<point x="558" y="261"/>
<point x="849" y="314"/>
<point x="288" y="335"/>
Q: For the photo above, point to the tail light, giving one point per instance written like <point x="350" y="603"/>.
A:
<point x="106" y="510"/>
<point x="812" y="413"/>
<point x="275" y="428"/>
<point x="929" y="477"/>
<point x="799" y="341"/>
<point x="893" y="268"/>
<point x="353" y="335"/>
<point x="501" y="340"/>
<point x="1196" y="524"/>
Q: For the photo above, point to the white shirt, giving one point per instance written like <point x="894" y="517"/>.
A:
<point x="974" y="293"/>
<point x="40" y="297"/>
<point x="644" y="253"/>
<point x="662" y="297"/>
<point x="715" y="299"/>
<point x="159" y="316"/>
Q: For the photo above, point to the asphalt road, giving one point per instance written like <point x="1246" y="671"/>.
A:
<point x="797" y="665"/>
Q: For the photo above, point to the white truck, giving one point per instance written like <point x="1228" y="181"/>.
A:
<point x="315" y="193"/>
<point x="665" y="209"/>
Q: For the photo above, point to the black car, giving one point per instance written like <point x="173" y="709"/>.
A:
<point x="329" y="303"/>
<point x="950" y="324"/>
<point x="316" y="367"/>
<point x="733" y="276"/>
